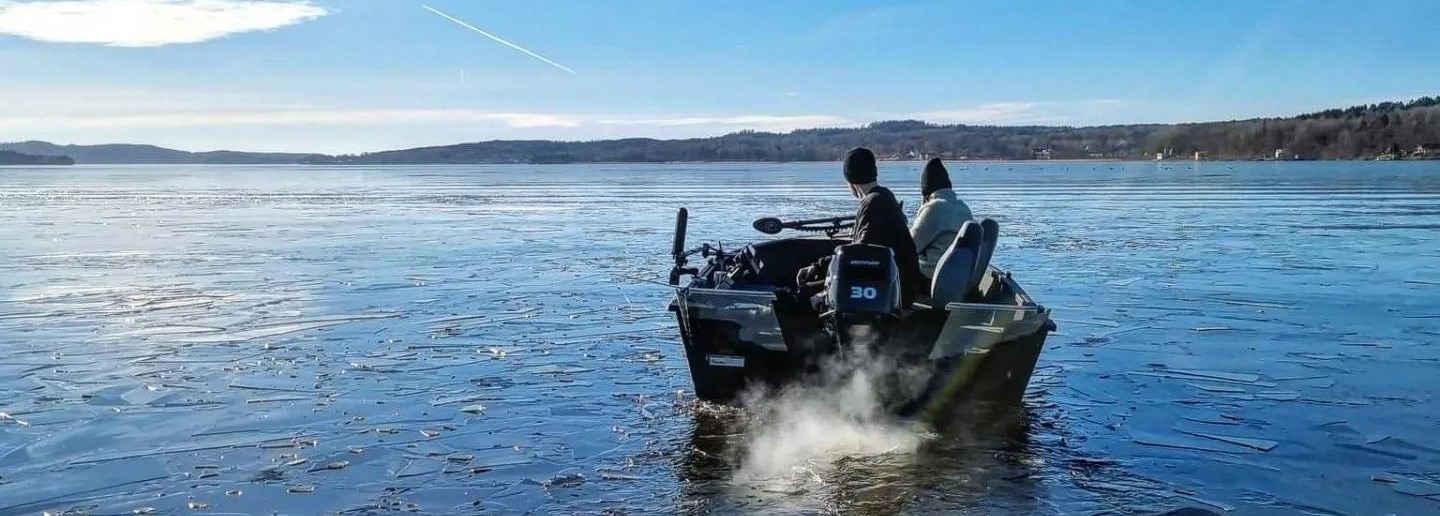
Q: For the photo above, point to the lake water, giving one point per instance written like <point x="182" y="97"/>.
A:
<point x="1250" y="337"/>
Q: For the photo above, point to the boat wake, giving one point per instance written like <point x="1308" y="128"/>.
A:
<point x="799" y="432"/>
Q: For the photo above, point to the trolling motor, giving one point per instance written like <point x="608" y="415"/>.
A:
<point x="861" y="300"/>
<point x="829" y="225"/>
<point x="677" y="249"/>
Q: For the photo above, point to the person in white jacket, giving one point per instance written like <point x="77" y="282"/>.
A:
<point x="939" y="219"/>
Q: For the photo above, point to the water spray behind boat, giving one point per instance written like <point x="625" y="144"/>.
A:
<point x="800" y="432"/>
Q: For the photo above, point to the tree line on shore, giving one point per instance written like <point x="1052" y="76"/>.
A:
<point x="15" y="158"/>
<point x="1386" y="130"/>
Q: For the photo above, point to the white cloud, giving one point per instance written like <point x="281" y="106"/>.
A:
<point x="256" y="121"/>
<point x="76" y="100"/>
<point x="301" y="117"/>
<point x="999" y="112"/>
<point x="322" y="117"/>
<point x="1013" y="113"/>
<point x="350" y="130"/>
<point x="756" y="122"/>
<point x="148" y="23"/>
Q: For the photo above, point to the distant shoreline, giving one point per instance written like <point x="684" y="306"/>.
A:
<point x="12" y="158"/>
<point x="916" y="161"/>
<point x="1387" y="131"/>
<point x="952" y="163"/>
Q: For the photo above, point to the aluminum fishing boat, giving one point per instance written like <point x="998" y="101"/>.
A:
<point x="746" y="324"/>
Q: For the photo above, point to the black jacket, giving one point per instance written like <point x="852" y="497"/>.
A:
<point x="880" y="221"/>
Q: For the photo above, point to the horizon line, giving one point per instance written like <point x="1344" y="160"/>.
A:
<point x="854" y="126"/>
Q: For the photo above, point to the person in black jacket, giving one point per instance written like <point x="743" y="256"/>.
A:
<point x="879" y="221"/>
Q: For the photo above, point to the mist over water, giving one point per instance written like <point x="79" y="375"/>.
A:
<point x="838" y="414"/>
<point x="1257" y="336"/>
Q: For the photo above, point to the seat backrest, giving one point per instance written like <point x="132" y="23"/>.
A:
<point x="990" y="236"/>
<point x="957" y="265"/>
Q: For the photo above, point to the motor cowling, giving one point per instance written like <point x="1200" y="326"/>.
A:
<point x="862" y="296"/>
<point x="863" y="281"/>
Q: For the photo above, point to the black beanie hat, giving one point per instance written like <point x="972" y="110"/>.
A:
<point x="860" y="166"/>
<point x="934" y="178"/>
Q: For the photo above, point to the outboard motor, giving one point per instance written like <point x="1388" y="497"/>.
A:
<point x="862" y="295"/>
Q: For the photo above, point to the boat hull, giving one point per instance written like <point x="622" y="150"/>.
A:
<point x="742" y="342"/>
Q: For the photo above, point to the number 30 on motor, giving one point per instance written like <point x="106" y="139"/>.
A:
<point x="863" y="293"/>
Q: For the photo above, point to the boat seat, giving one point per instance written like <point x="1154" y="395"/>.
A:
<point x="957" y="266"/>
<point x="989" y="237"/>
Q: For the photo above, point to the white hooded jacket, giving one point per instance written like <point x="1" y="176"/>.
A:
<point x="936" y="226"/>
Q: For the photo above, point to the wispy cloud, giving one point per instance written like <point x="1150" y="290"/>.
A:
<point x="148" y="23"/>
<point x="342" y="130"/>
<point x="300" y="117"/>
<point x="322" y="117"/>
<point x="255" y="120"/>
<point x="1013" y="113"/>
<point x="757" y="122"/>
<point x="81" y="101"/>
<point x="996" y="113"/>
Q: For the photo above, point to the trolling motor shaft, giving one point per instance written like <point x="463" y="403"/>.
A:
<point x="831" y="226"/>
<point x="677" y="248"/>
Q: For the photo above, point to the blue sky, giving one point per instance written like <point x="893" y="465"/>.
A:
<point x="360" y="75"/>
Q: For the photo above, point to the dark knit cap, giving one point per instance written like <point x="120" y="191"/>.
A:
<point x="860" y="166"/>
<point x="934" y="178"/>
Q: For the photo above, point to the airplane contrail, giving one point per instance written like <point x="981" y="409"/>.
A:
<point x="498" y="39"/>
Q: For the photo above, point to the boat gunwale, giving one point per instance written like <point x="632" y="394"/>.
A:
<point x="1024" y="301"/>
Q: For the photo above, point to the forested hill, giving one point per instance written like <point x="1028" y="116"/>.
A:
<point x="150" y="154"/>
<point x="1385" y="130"/>
<point x="1388" y="130"/>
<point x="15" y="158"/>
<point x="890" y="140"/>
